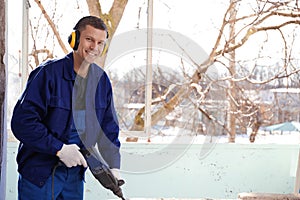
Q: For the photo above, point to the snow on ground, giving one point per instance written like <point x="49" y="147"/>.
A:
<point x="176" y="135"/>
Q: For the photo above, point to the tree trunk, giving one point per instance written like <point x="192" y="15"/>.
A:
<point x="232" y="90"/>
<point x="112" y="19"/>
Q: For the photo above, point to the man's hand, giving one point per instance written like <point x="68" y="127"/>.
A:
<point x="71" y="156"/>
<point x="116" y="173"/>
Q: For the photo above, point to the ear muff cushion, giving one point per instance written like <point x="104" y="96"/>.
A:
<point x="105" y="48"/>
<point x="74" y="39"/>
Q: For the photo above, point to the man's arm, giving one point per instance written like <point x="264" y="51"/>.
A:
<point x="27" y="119"/>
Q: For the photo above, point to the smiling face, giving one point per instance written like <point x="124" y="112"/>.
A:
<point x="91" y="44"/>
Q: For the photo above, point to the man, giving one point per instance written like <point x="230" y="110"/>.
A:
<point x="67" y="105"/>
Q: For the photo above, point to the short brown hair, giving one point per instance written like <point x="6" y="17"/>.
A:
<point x="93" y="21"/>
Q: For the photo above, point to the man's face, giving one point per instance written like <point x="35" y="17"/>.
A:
<point x="91" y="43"/>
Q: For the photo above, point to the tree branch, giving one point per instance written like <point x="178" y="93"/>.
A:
<point x="50" y="22"/>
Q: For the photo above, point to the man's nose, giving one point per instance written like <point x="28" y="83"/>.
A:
<point x="93" y="45"/>
<point x="96" y="46"/>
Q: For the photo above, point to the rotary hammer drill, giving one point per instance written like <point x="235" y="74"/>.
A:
<point x="102" y="172"/>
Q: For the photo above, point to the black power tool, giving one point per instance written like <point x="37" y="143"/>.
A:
<point x="102" y="172"/>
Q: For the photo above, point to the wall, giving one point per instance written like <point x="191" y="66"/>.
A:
<point x="195" y="171"/>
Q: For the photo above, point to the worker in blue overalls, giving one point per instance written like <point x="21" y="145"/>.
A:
<point x="67" y="105"/>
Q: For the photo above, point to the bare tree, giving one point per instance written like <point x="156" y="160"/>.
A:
<point x="263" y="17"/>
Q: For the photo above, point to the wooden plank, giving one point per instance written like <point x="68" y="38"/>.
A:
<point x="171" y="199"/>
<point x="267" y="196"/>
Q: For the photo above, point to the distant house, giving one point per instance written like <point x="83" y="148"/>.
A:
<point x="285" y="103"/>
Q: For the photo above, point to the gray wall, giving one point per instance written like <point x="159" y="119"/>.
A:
<point x="195" y="171"/>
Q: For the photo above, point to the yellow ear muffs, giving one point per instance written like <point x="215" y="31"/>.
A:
<point x="72" y="42"/>
<point x="73" y="39"/>
<point x="104" y="50"/>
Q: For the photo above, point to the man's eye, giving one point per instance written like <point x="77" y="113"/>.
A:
<point x="101" y="43"/>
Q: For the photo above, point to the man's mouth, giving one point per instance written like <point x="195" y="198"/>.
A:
<point x="90" y="53"/>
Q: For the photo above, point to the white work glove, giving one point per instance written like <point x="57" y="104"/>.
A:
<point x="71" y="156"/>
<point x="116" y="173"/>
